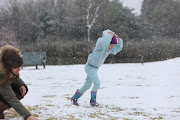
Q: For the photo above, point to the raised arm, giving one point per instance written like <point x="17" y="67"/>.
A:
<point x="103" y="42"/>
<point x="118" y="47"/>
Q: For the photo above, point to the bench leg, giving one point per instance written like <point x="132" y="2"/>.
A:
<point x="36" y="67"/>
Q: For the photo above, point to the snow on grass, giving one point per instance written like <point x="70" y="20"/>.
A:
<point x="127" y="92"/>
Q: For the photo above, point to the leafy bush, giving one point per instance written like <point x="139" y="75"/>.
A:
<point x="76" y="52"/>
<point x="61" y="51"/>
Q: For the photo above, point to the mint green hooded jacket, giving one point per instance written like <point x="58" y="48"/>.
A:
<point x="101" y="52"/>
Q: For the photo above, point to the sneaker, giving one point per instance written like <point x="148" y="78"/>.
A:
<point x="74" y="101"/>
<point x="94" y="103"/>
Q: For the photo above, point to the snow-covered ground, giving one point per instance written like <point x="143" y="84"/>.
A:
<point x="127" y="92"/>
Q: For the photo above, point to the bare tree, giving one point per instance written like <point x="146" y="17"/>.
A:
<point x="94" y="16"/>
<point x="89" y="12"/>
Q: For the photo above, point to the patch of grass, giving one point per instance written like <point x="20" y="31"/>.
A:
<point x="54" y="87"/>
<point x="100" y="116"/>
<point x="114" y="109"/>
<point x="56" y="84"/>
<point x="49" y="101"/>
<point x="68" y="105"/>
<point x="52" y="118"/>
<point x="68" y="117"/>
<point x="117" y="109"/>
<point x="67" y="95"/>
<point x="138" y="113"/>
<point x="35" y="115"/>
<point x="11" y="113"/>
<point x="50" y="105"/>
<point x="93" y="115"/>
<point x="68" y="98"/>
<point x="102" y="87"/>
<point x="156" y="118"/>
<point x="34" y="108"/>
<point x="114" y="118"/>
<point x="125" y="119"/>
<point x="176" y="111"/>
<point x="135" y="109"/>
<point x="49" y="96"/>
<point x="133" y="97"/>
<point x="28" y="84"/>
<point x="71" y="117"/>
<point x="139" y="77"/>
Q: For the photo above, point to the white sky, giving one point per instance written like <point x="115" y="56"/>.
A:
<point x="135" y="4"/>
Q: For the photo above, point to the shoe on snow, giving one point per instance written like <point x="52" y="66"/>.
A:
<point x="74" y="101"/>
<point x="94" y="103"/>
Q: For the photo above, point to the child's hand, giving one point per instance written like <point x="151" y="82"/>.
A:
<point x="118" y="38"/>
<point x="32" y="118"/>
<point x="23" y="90"/>
<point x="111" y="33"/>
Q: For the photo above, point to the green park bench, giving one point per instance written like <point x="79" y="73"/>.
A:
<point x="34" y="58"/>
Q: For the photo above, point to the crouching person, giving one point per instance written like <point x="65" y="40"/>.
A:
<point x="12" y="88"/>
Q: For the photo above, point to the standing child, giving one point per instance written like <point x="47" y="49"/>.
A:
<point x="108" y="43"/>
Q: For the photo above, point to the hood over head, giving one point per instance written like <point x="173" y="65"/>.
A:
<point x="4" y="51"/>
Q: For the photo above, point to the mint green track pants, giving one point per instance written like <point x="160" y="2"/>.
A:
<point x="92" y="77"/>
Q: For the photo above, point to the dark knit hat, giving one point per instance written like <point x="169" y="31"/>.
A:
<point x="114" y="40"/>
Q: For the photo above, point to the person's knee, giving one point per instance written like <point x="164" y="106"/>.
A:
<point x="3" y="106"/>
<point x="97" y="83"/>
<point x="87" y="86"/>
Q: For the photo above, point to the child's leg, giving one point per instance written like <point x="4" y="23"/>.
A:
<point x="93" y="99"/>
<point x="81" y="91"/>
<point x="86" y="85"/>
<point x="89" y="71"/>
<point x="92" y="75"/>
<point x="95" y="88"/>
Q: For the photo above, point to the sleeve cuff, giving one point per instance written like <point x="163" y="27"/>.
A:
<point x="27" y="117"/>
